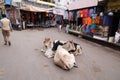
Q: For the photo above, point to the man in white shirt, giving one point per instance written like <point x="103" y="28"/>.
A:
<point x="6" y="28"/>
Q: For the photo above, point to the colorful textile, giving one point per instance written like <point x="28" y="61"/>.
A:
<point x="97" y="20"/>
<point x="83" y="20"/>
<point x="92" y="30"/>
<point x="94" y="16"/>
<point x="89" y="21"/>
<point x="70" y="16"/>
<point x="81" y="13"/>
<point x="91" y="11"/>
<point x="87" y="29"/>
<point x="105" y="20"/>
<point x="93" y="26"/>
<point x="85" y="12"/>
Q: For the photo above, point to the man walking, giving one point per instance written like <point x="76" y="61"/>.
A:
<point x="6" y="28"/>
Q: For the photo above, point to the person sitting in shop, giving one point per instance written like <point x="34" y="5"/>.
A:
<point x="117" y="36"/>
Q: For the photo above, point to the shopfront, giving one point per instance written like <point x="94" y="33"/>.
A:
<point x="100" y="21"/>
<point x="82" y="16"/>
<point x="36" y="19"/>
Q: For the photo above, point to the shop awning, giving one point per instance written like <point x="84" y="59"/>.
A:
<point x="46" y="3"/>
<point x="35" y="9"/>
<point x="82" y="4"/>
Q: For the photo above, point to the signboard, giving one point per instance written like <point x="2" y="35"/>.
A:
<point x="82" y="4"/>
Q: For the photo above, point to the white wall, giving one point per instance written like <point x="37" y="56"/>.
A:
<point x="82" y="4"/>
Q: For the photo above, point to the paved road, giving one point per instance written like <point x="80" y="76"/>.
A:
<point x="24" y="61"/>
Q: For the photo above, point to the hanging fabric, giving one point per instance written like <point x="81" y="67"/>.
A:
<point x="85" y="12"/>
<point x="91" y="11"/>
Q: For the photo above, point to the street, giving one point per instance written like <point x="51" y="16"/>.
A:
<point x="23" y="60"/>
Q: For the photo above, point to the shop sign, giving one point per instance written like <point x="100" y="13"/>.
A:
<point x="82" y="4"/>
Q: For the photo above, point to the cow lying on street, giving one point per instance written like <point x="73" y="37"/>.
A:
<point x="63" y="52"/>
<point x="64" y="59"/>
<point x="51" y="46"/>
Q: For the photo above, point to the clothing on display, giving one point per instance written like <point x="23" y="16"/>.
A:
<point x="85" y="12"/>
<point x="87" y="29"/>
<point x="91" y="11"/>
<point x="97" y="20"/>
<point x="70" y="16"/>
<point x="94" y="16"/>
<point x="89" y="20"/>
<point x="81" y="13"/>
<point x="105" y="20"/>
<point x="93" y="26"/>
